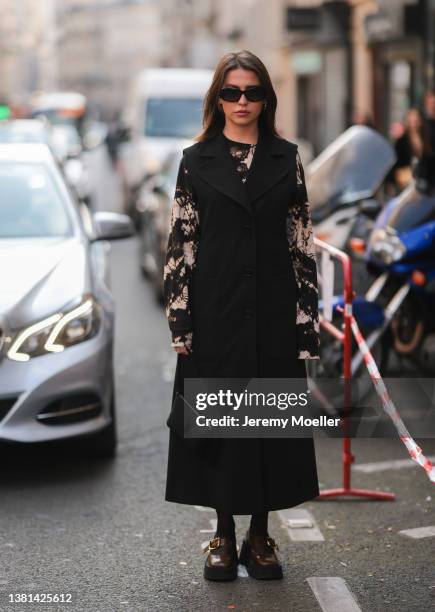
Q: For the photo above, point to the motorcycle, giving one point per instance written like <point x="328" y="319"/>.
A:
<point x="395" y="314"/>
<point x="343" y="184"/>
<point x="401" y="253"/>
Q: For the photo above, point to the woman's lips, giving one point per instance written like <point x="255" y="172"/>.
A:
<point x="242" y="113"/>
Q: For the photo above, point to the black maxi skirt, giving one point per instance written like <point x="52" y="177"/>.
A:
<point x="244" y="475"/>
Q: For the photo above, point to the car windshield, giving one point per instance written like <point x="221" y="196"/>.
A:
<point x="412" y="209"/>
<point x="351" y="168"/>
<point x="30" y="204"/>
<point x="173" y="117"/>
<point x="11" y="133"/>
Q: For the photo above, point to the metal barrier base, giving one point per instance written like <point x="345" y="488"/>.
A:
<point x="356" y="493"/>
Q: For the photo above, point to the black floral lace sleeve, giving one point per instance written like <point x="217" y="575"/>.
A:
<point x="180" y="259"/>
<point x="302" y="250"/>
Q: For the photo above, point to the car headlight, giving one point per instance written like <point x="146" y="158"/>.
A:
<point x="57" y="332"/>
<point x="386" y="247"/>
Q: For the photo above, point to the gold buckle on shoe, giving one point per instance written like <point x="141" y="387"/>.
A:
<point x="214" y="543"/>
<point x="271" y="542"/>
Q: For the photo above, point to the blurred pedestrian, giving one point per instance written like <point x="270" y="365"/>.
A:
<point x="413" y="149"/>
<point x="429" y="108"/>
<point x="112" y="139"/>
<point x="240" y="286"/>
<point x="426" y="167"/>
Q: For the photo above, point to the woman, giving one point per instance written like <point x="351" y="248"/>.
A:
<point x="413" y="151"/>
<point x="240" y="285"/>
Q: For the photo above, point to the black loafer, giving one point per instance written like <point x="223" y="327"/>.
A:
<point x="222" y="561"/>
<point x="259" y="557"/>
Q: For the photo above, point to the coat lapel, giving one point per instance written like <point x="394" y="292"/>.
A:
<point x="218" y="170"/>
<point x="272" y="161"/>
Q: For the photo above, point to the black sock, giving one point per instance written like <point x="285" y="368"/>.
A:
<point x="258" y="524"/>
<point x="225" y="525"/>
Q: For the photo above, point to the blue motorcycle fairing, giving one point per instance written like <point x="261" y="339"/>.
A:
<point x="367" y="314"/>
<point x="420" y="240"/>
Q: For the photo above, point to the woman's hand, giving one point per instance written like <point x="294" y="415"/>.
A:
<point x="183" y="344"/>
<point x="182" y="350"/>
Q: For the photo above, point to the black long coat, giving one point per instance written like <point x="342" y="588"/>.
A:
<point x="240" y="284"/>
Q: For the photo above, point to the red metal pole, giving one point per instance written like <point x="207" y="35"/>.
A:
<point x="346" y="338"/>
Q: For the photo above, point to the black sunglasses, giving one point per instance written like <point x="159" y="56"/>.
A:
<point x="233" y="94"/>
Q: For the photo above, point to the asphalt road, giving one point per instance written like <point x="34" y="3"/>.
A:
<point x="103" y="532"/>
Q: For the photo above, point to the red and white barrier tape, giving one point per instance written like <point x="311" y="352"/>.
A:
<point x="414" y="450"/>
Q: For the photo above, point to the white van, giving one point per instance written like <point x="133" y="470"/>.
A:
<point x="164" y="107"/>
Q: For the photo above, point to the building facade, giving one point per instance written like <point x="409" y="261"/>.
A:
<point x="103" y="43"/>
<point x="28" y="59"/>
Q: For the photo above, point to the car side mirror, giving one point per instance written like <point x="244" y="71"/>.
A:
<point x="112" y="226"/>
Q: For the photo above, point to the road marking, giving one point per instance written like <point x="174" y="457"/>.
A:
<point x="213" y="523"/>
<point x="419" y="532"/>
<point x="300" y="525"/>
<point x="379" y="466"/>
<point x="333" y="594"/>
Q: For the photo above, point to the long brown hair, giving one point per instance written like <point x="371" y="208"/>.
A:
<point x="213" y="119"/>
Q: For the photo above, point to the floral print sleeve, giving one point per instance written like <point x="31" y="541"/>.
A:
<point x="180" y="259"/>
<point x="302" y="250"/>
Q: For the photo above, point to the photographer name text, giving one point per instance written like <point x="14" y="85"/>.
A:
<point x="294" y="421"/>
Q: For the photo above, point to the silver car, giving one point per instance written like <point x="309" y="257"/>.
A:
<point x="56" y="308"/>
<point x="25" y="131"/>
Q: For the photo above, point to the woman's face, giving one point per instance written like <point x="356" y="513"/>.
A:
<point x="243" y="112"/>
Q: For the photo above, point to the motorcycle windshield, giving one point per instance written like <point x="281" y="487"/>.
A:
<point x="410" y="209"/>
<point x="351" y="168"/>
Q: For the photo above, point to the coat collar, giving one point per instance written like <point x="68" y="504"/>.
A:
<point x="271" y="162"/>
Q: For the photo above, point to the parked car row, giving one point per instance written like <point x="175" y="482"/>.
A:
<point x="56" y="307"/>
<point x="65" y="143"/>
<point x="57" y="313"/>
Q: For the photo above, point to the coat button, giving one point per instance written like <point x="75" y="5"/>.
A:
<point x="247" y="226"/>
<point x="248" y="272"/>
<point x="248" y="313"/>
